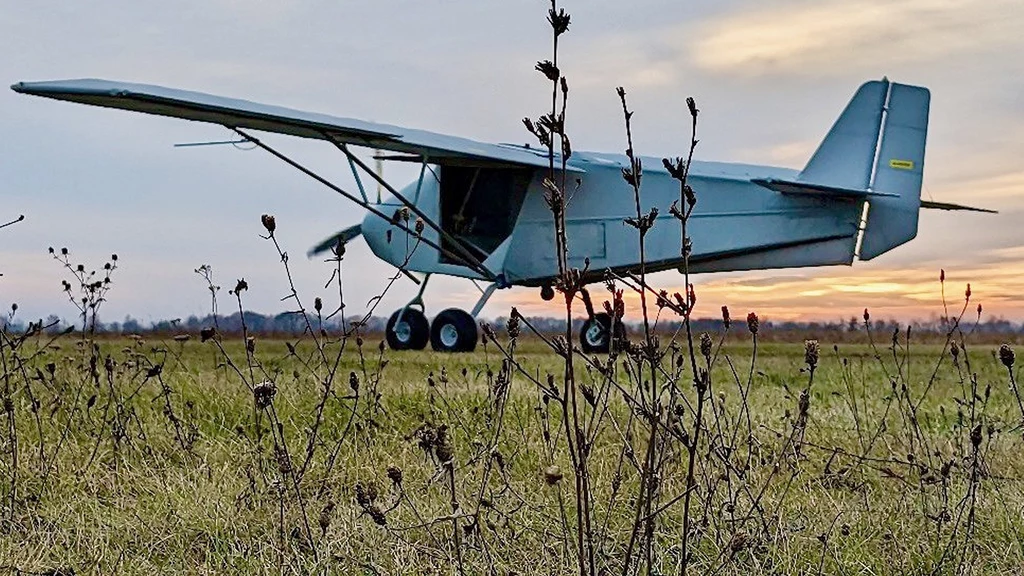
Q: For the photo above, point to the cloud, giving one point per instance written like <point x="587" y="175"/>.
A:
<point x="835" y="37"/>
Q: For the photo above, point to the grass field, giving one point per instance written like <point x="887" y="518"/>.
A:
<point x="112" y="465"/>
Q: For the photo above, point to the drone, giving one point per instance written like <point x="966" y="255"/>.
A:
<point x="478" y="210"/>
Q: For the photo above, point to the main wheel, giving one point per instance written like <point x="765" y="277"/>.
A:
<point x="453" y="330"/>
<point x="596" y="334"/>
<point x="411" y="332"/>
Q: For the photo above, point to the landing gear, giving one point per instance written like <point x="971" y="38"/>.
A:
<point x="407" y="329"/>
<point x="596" y="336"/>
<point x="453" y="330"/>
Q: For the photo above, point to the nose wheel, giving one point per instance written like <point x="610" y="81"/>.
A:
<point x="453" y="330"/>
<point x="407" y="329"/>
<point x="597" y="335"/>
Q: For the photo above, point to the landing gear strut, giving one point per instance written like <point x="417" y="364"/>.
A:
<point x="408" y="329"/>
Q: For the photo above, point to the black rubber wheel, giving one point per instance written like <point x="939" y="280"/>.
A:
<point x="453" y="330"/>
<point x="411" y="333"/>
<point x="596" y="334"/>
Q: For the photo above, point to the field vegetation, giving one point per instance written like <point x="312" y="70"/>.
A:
<point x="135" y="457"/>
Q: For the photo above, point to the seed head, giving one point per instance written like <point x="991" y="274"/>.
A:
<point x="325" y="517"/>
<point x="395" y="474"/>
<point x="206" y="334"/>
<point x="264" y="394"/>
<point x="706" y="345"/>
<point x="353" y="381"/>
<point x="753" y="323"/>
<point x="811" y="353"/>
<point x="552" y="475"/>
<point x="269" y="223"/>
<point x="513" y="324"/>
<point x="377" y="515"/>
<point x="549" y="70"/>
<point x="725" y="317"/>
<point x="241" y="286"/>
<point x="691" y="104"/>
<point x="976" y="436"/>
<point x="284" y="464"/>
<point x="318" y="304"/>
<point x="559" y="21"/>
<point x="1006" y="355"/>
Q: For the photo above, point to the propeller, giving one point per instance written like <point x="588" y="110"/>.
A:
<point x="343" y="236"/>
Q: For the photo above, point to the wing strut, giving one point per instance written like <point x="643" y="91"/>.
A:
<point x="465" y="254"/>
<point x="370" y="207"/>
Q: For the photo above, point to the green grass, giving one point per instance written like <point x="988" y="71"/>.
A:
<point x="103" y="485"/>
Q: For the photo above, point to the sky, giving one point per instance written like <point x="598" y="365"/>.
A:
<point x="770" y="77"/>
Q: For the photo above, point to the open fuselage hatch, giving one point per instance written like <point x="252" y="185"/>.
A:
<point x="479" y="207"/>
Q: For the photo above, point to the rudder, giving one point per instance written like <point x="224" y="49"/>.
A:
<point x="899" y="169"/>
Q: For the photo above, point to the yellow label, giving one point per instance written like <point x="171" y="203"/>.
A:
<point x="901" y="164"/>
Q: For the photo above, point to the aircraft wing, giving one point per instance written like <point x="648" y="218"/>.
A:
<point x="234" y="113"/>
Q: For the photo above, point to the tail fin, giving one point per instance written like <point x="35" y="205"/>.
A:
<point x="878" y="145"/>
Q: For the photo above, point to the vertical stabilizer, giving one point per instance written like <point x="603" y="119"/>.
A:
<point x="846" y="156"/>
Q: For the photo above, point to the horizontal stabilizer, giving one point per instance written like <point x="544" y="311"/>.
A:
<point x="947" y="206"/>
<point x="346" y="235"/>
<point x="818" y="190"/>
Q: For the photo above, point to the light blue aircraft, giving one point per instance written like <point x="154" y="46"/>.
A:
<point x="484" y="216"/>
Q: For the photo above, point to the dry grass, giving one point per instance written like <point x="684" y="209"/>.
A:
<point x="141" y="502"/>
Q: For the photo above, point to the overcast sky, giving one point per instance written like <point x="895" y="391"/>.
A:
<point x="770" y="77"/>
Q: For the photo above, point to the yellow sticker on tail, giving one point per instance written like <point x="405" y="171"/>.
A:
<point x="901" y="164"/>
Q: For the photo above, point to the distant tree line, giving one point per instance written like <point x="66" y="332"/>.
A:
<point x="293" y="324"/>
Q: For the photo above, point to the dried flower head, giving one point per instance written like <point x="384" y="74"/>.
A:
<point x="811" y="353"/>
<point x="264" y="393"/>
<point x="706" y="345"/>
<point x="395" y="474"/>
<point x="726" y="320"/>
<point x="1006" y="355"/>
<point x="269" y="223"/>
<point x="325" y="517"/>
<point x="753" y="323"/>
<point x="513" y="324"/>
<point x="559" y="20"/>
<point x="552" y="475"/>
